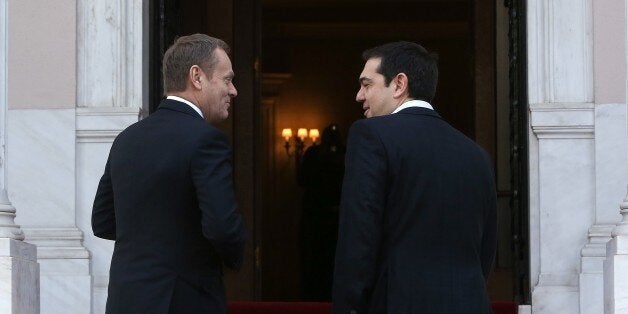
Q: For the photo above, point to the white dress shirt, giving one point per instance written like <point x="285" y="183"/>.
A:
<point x="413" y="103"/>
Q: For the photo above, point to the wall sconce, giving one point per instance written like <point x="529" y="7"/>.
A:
<point x="299" y="140"/>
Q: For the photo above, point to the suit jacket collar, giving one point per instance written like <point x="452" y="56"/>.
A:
<point x="419" y="111"/>
<point x="175" y="105"/>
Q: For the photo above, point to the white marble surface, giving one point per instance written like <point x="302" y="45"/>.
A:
<point x="577" y="155"/>
<point x="563" y="149"/>
<point x="592" y="270"/>
<point x="91" y="158"/>
<point x="41" y="176"/>
<point x="563" y="119"/>
<point x="555" y="300"/>
<point x="110" y="41"/>
<point x="71" y="294"/>
<point x="535" y="210"/>
<point x="524" y="309"/>
<point x="591" y="293"/>
<point x="96" y="130"/>
<point x="42" y="180"/>
<point x="567" y="209"/>
<point x="611" y="160"/>
<point x="565" y="213"/>
<point x="559" y="51"/>
<point x="19" y="277"/>
<point x="616" y="266"/>
<point x="615" y="274"/>
<point x="91" y="162"/>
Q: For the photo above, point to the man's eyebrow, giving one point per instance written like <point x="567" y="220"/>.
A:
<point x="364" y="79"/>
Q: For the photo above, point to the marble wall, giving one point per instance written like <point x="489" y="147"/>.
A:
<point x="112" y="56"/>
<point x="42" y="178"/>
<point x="97" y="127"/>
<point x="578" y="148"/>
<point x="69" y="95"/>
<point x="40" y="146"/>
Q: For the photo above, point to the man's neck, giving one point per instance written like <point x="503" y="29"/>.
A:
<point x="402" y="101"/>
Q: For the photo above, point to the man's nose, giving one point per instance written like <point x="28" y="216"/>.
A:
<point x="233" y="92"/>
<point x="360" y="96"/>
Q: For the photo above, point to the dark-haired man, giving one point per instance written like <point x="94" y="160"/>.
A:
<point x="417" y="227"/>
<point x="166" y="196"/>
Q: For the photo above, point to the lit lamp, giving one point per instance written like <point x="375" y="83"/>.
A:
<point x="302" y="134"/>
<point x="287" y="134"/>
<point x="299" y="140"/>
<point x="314" y="135"/>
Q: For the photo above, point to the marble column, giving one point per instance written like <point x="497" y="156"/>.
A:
<point x="112" y="67"/>
<point x="41" y="136"/>
<point x="562" y="148"/>
<point x="609" y="46"/>
<point x="616" y="266"/>
<point x="19" y="271"/>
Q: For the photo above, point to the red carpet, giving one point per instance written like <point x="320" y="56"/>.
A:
<point x="252" y="307"/>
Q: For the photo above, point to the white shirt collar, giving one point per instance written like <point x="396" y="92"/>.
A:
<point x="187" y="103"/>
<point x="413" y="103"/>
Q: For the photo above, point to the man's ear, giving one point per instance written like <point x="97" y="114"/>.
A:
<point x="401" y="85"/>
<point x="194" y="76"/>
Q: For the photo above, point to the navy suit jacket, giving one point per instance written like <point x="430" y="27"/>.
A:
<point x="166" y="198"/>
<point x="417" y="218"/>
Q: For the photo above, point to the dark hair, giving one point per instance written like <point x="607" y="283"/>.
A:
<point x="186" y="51"/>
<point x="413" y="60"/>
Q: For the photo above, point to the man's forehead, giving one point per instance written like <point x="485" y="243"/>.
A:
<point x="372" y="63"/>
<point x="370" y="69"/>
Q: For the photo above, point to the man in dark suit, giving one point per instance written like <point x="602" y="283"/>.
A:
<point x="166" y="196"/>
<point x="417" y="227"/>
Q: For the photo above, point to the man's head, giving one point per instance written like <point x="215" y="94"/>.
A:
<point x="197" y="68"/>
<point x="393" y="74"/>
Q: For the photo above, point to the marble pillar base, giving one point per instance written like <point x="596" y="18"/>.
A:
<point x="100" y="292"/>
<point x="61" y="293"/>
<point x="19" y="277"/>
<point x="525" y="309"/>
<point x="592" y="270"/>
<point x="615" y="274"/>
<point x="64" y="263"/>
<point x="555" y="300"/>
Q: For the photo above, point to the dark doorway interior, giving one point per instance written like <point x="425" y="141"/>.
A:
<point x="296" y="66"/>
<point x="310" y="64"/>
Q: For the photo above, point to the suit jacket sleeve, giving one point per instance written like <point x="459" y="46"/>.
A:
<point x="361" y="220"/>
<point x="211" y="175"/>
<point x="103" y="214"/>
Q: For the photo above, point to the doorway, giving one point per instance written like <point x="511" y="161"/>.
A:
<point x="311" y="57"/>
<point x="296" y="66"/>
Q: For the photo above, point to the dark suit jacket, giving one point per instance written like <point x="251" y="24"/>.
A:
<point x="417" y="218"/>
<point x="166" y="198"/>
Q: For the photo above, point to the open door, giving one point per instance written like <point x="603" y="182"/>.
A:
<point x="224" y="19"/>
